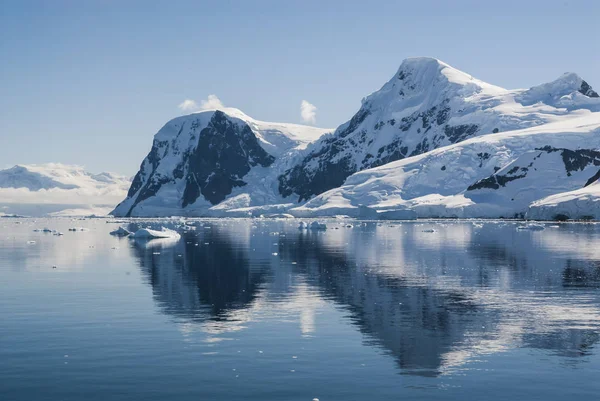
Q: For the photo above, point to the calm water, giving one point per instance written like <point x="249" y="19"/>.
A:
<point x="258" y="310"/>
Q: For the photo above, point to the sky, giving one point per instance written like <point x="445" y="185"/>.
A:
<point x="91" y="82"/>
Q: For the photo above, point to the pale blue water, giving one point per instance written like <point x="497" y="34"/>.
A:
<point x="258" y="310"/>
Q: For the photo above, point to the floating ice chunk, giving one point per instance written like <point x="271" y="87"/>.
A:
<point x="46" y="230"/>
<point x="316" y="225"/>
<point x="302" y="226"/>
<point x="120" y="232"/>
<point x="429" y="230"/>
<point x="532" y="227"/>
<point x="163" y="233"/>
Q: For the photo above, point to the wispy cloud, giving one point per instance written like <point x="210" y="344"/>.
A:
<point x="308" y="111"/>
<point x="188" y="105"/>
<point x="211" y="102"/>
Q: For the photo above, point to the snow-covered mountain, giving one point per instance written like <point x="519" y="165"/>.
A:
<point x="59" y="189"/>
<point x="432" y="140"/>
<point x="497" y="175"/>
<point x="426" y="105"/>
<point x="211" y="157"/>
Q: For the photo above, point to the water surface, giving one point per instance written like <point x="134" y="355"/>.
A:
<point x="259" y="310"/>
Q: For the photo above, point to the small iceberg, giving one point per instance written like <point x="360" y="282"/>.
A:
<point x="146" y="233"/>
<point x="302" y="226"/>
<point x="532" y="227"/>
<point x="316" y="225"/>
<point x="120" y="232"/>
<point x="155" y="243"/>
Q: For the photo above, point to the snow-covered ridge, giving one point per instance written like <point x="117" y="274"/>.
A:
<point x="497" y="175"/>
<point x="428" y="104"/>
<point x="275" y="138"/>
<point x="433" y="141"/>
<point x="211" y="157"/>
<point x="39" y="189"/>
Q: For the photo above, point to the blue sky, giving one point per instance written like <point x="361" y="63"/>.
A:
<point x="90" y="82"/>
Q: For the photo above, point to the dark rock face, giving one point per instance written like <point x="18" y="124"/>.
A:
<point x="154" y="183"/>
<point x="573" y="160"/>
<point x="587" y="90"/>
<point x="224" y="154"/>
<point x="593" y="179"/>
<point x="460" y="132"/>
<point x="330" y="175"/>
<point x="349" y="150"/>
<point x="496" y="181"/>
<point x="331" y="172"/>
<point x="153" y="158"/>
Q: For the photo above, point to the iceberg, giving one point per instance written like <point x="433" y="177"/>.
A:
<point x="146" y="233"/>
<point x="120" y="232"/>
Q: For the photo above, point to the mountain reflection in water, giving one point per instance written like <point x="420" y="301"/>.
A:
<point x="432" y="300"/>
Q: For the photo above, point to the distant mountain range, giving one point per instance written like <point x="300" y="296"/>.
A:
<point x="58" y="189"/>
<point x="432" y="142"/>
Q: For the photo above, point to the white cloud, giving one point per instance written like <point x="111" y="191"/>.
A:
<point x="308" y="112"/>
<point x="211" y="102"/>
<point x="188" y="105"/>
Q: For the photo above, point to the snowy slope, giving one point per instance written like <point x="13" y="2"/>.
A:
<point x="583" y="203"/>
<point x="58" y="188"/>
<point x="426" y="105"/>
<point x="214" y="157"/>
<point x="496" y="175"/>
